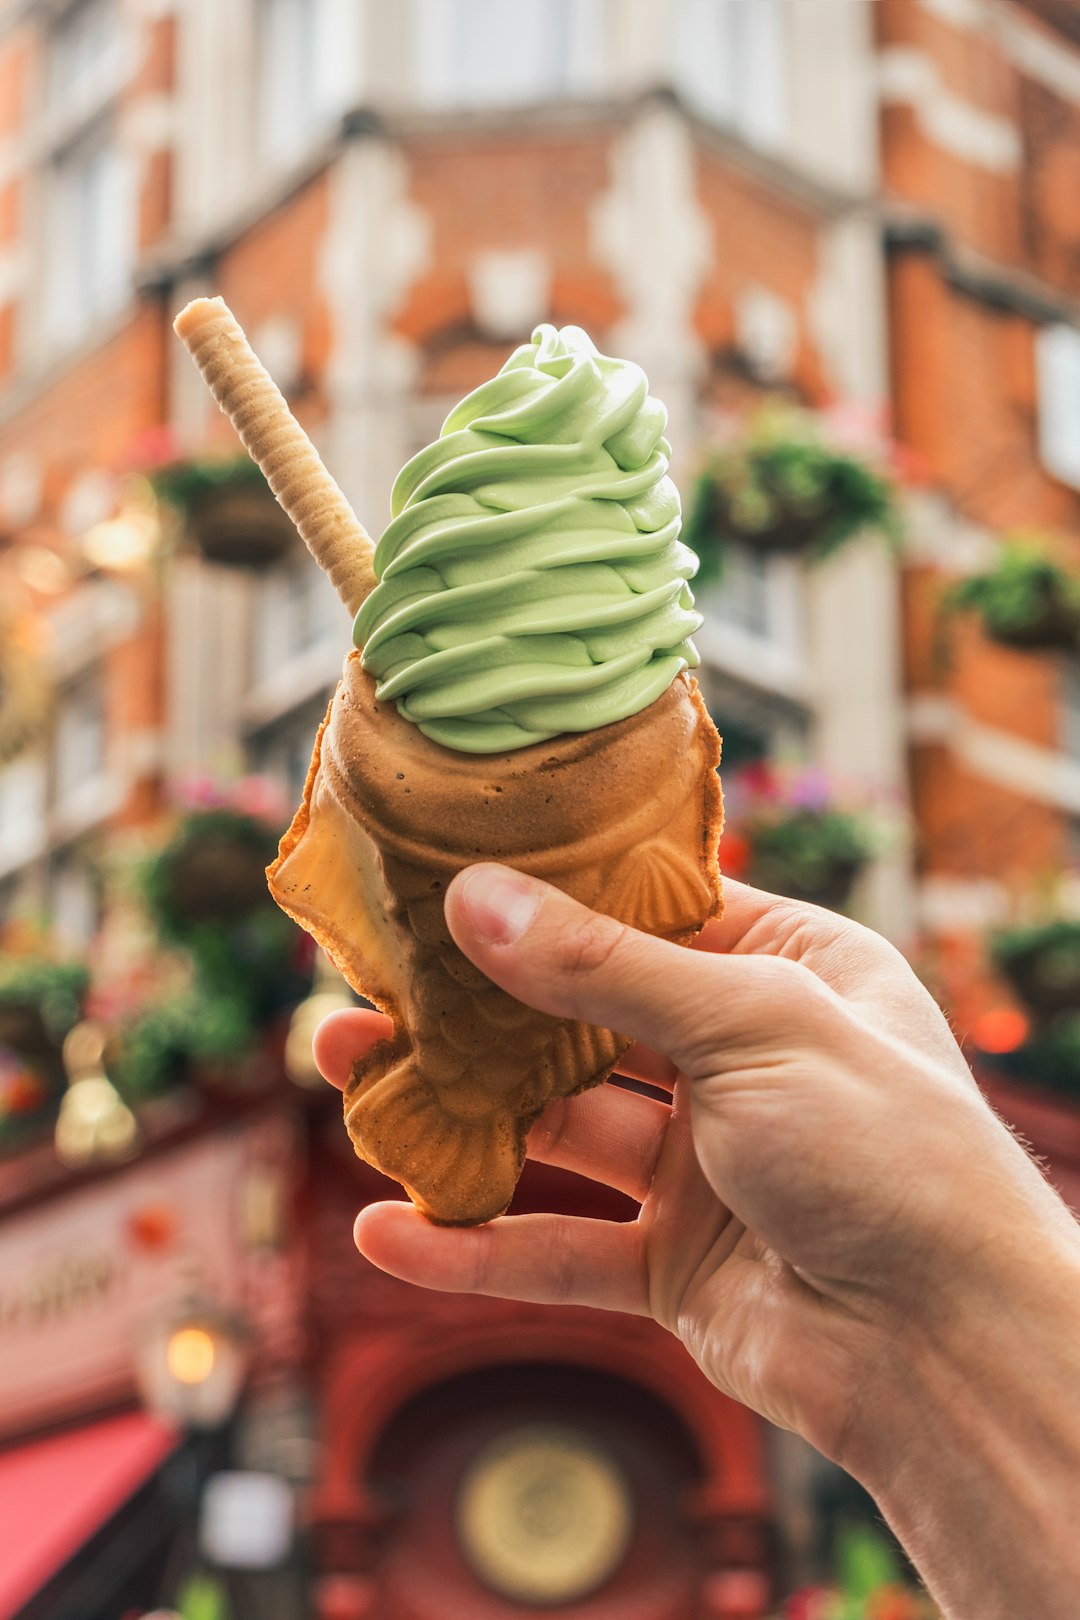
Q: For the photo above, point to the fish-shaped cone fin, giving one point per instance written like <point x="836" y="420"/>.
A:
<point x="626" y="819"/>
<point x="327" y="877"/>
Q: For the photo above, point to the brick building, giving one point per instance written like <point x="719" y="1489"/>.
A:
<point x="862" y="202"/>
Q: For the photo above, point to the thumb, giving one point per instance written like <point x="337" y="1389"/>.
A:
<point x="547" y="950"/>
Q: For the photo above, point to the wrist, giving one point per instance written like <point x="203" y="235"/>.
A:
<point x="969" y="1438"/>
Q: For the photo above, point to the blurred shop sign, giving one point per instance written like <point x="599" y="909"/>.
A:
<point x="83" y="1275"/>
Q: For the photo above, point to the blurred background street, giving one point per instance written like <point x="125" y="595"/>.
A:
<point x="843" y="239"/>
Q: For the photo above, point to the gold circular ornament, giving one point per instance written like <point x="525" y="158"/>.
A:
<point x="544" y="1514"/>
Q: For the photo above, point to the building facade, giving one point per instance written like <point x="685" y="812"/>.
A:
<point x="866" y="208"/>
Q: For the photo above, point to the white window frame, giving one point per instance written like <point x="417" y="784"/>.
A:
<point x="87" y="794"/>
<point x="442" y="49"/>
<point x="1070" y="711"/>
<point x="773" y="659"/>
<point x="1057" y="357"/>
<point x="23" y="800"/>
<point x="731" y="64"/>
<point x="288" y="667"/>
<point x="306" y="57"/>
<point x="89" y="234"/>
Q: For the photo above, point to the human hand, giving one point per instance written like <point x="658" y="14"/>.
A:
<point x="804" y="1193"/>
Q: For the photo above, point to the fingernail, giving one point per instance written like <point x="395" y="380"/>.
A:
<point x="500" y="904"/>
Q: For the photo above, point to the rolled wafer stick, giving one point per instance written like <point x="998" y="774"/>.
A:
<point x="274" y="439"/>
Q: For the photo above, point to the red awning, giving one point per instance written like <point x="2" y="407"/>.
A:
<point x="55" y="1493"/>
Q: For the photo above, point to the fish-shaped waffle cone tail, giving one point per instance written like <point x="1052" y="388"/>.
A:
<point x="625" y="819"/>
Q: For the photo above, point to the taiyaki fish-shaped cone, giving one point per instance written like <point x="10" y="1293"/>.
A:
<point x="625" y="818"/>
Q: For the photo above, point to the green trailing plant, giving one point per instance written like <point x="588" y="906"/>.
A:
<point x="783" y="487"/>
<point x="40" y="1001"/>
<point x="167" y="1040"/>
<point x="228" y="510"/>
<point x="1025" y="600"/>
<point x="54" y="990"/>
<point x="1042" y="963"/>
<point x="187" y="484"/>
<point x="1050" y="1058"/>
<point x="206" y="893"/>
<point x="212" y="871"/>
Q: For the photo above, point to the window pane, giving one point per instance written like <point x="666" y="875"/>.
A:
<point x="1070" y="740"/>
<point x="743" y="597"/>
<point x="730" y="63"/>
<point x="1058" y="360"/>
<point x="491" y="52"/>
<point x="306" y="70"/>
<point x="85" y="57"/>
<point x="80" y="735"/>
<point x="90" y="235"/>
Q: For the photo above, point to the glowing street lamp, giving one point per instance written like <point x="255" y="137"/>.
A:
<point x="191" y="1366"/>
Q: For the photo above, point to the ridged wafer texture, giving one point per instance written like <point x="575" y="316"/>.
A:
<point x="273" y="438"/>
<point x="625" y="818"/>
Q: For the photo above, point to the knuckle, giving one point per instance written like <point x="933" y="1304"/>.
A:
<point x="592" y="944"/>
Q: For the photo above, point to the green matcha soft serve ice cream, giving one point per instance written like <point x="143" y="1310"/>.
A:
<point x="531" y="580"/>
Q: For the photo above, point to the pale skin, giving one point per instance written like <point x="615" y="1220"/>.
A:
<point x="837" y="1226"/>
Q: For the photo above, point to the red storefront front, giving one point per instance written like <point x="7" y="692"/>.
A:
<point x="448" y="1456"/>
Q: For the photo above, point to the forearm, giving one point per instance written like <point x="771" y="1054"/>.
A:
<point x="976" y="1458"/>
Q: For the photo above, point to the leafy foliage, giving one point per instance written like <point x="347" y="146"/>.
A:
<point x="206" y="892"/>
<point x="1050" y="1058"/>
<point x="782" y="485"/>
<point x="184" y="484"/>
<point x="1025" y="599"/>
<point x="56" y="990"/>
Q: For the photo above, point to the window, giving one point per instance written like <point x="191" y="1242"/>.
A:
<point x="89" y="231"/>
<point x="1057" y="353"/>
<point x="282" y="751"/>
<point x="306" y="62"/>
<point x="80" y="739"/>
<point x="730" y="64"/>
<point x="85" y="60"/>
<point x="757" y="595"/>
<point x="74" y="902"/>
<point x="482" y="53"/>
<point x="22" y="812"/>
<point x="754" y="724"/>
<point x="297" y="609"/>
<point x="742" y="599"/>
<point x="1070" y="718"/>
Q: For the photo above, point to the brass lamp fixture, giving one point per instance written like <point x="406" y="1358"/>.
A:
<point x="192" y="1363"/>
<point x="95" y="1125"/>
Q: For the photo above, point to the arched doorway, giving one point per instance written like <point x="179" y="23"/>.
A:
<point x="538" y="1489"/>
<point x="511" y="1462"/>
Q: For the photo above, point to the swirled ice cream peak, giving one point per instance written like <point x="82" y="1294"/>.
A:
<point x="531" y="580"/>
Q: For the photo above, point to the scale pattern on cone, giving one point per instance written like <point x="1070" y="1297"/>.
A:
<point x="626" y="819"/>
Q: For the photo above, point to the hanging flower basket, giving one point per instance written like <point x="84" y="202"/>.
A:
<point x="794" y="837"/>
<point x="1042" y="964"/>
<point x="207" y="893"/>
<point x="25" y="693"/>
<point x="1027" y="600"/>
<point x="228" y="510"/>
<point x="213" y="871"/>
<point x="782" y="489"/>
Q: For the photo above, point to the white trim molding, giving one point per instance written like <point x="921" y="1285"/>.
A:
<point x="994" y="755"/>
<point x="948" y="905"/>
<point x="984" y="139"/>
